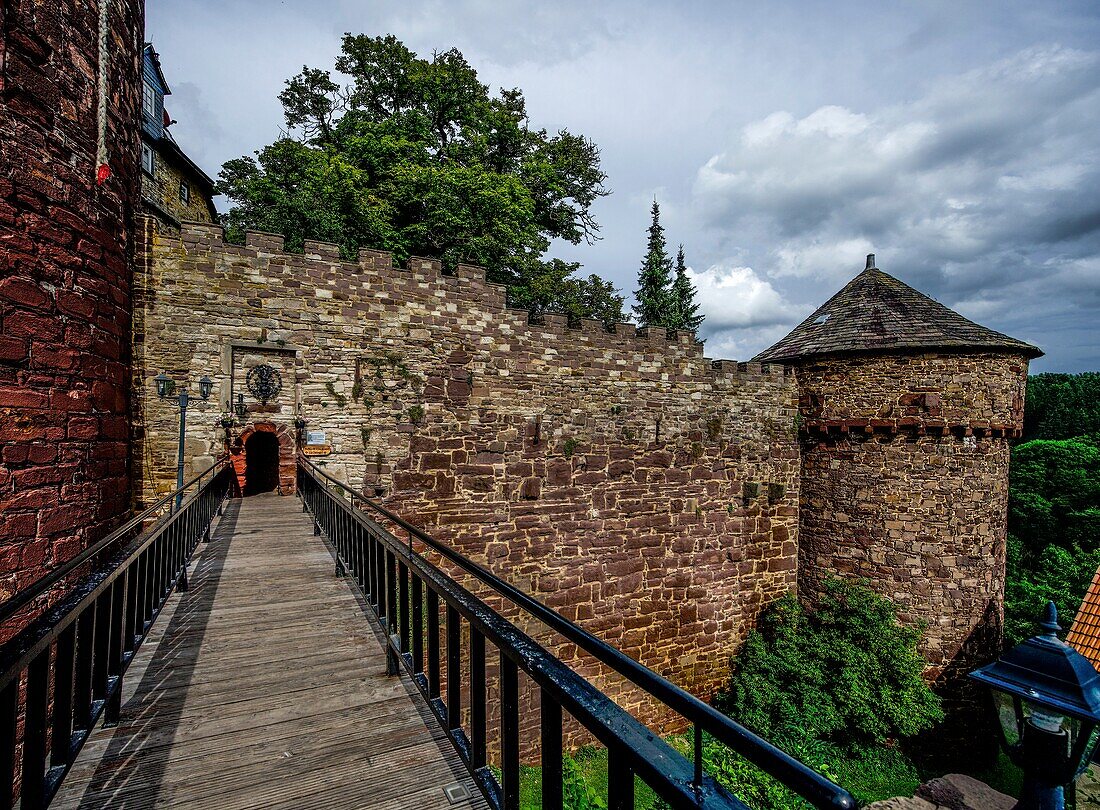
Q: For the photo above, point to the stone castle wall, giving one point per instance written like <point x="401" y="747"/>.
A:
<point x="65" y="246"/>
<point x="631" y="483"/>
<point x="162" y="188"/>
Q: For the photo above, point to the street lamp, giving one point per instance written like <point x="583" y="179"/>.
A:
<point x="1048" y="702"/>
<point x="299" y="425"/>
<point x="166" y="388"/>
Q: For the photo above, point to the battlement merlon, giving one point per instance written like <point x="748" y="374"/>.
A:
<point x="329" y="272"/>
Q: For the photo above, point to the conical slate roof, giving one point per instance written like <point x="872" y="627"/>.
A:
<point x="876" y="313"/>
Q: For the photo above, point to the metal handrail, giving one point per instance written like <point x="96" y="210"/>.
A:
<point x="805" y="781"/>
<point x="84" y="644"/>
<point x="22" y="598"/>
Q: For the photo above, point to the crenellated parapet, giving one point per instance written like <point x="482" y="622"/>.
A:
<point x="322" y="272"/>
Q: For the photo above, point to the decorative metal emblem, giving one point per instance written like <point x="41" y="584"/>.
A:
<point x="264" y="383"/>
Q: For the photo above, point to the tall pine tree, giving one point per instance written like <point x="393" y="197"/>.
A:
<point x="654" y="293"/>
<point x="684" y="307"/>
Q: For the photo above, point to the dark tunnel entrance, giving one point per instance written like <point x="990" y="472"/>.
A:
<point x="261" y="463"/>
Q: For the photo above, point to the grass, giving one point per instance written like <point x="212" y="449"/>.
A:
<point x="585" y="783"/>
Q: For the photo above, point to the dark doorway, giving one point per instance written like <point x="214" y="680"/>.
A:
<point x="261" y="463"/>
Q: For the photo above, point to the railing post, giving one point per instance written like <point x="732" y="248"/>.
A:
<point x="620" y="781"/>
<point x="454" y="669"/>
<point x="417" y="624"/>
<point x="9" y="719"/>
<point x="509" y="733"/>
<point x="63" y="696"/>
<point x="552" y="792"/>
<point x="119" y="599"/>
<point x="477" y="698"/>
<point x="34" y="733"/>
<point x="433" y="644"/>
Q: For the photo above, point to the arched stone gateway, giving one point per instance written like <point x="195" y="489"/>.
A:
<point x="263" y="458"/>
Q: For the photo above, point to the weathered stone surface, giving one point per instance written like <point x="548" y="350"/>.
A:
<point x="920" y="512"/>
<point x="952" y="792"/>
<point x="904" y="484"/>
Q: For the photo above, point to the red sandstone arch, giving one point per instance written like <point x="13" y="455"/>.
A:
<point x="287" y="468"/>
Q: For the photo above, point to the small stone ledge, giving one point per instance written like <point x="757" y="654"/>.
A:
<point x="326" y="251"/>
<point x="910" y="426"/>
<point x="267" y="242"/>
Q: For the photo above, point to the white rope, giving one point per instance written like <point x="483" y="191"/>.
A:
<point x="101" y="111"/>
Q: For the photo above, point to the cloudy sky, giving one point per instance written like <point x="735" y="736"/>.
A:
<point x="959" y="141"/>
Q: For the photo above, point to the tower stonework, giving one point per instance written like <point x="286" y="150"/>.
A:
<point x="67" y="193"/>
<point x="906" y="410"/>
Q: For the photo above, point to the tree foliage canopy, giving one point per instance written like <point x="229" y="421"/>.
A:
<point x="417" y="157"/>
<point x="1054" y="530"/>
<point x="665" y="297"/>
<point x="685" y="309"/>
<point x="1062" y="406"/>
<point x="654" y="293"/>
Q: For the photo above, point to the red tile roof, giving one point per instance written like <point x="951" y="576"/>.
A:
<point x="1084" y="636"/>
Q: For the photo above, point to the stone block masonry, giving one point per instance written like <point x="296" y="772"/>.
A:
<point x="65" y="249"/>
<point x="905" y="483"/>
<point x="629" y="482"/>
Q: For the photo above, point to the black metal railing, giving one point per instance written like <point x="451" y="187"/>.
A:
<point x="83" y="644"/>
<point x="407" y="593"/>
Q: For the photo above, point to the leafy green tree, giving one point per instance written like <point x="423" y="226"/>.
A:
<point x="1057" y="574"/>
<point x="1054" y="530"/>
<point x="686" y="310"/>
<point x="1062" y="406"/>
<point x="415" y="156"/>
<point x="846" y="673"/>
<point x="655" y="305"/>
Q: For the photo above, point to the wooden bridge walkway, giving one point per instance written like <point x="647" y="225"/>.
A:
<point x="265" y="686"/>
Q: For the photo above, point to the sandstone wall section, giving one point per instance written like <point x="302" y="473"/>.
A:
<point x="631" y="483"/>
<point x="905" y="483"/>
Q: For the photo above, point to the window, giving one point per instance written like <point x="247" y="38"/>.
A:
<point x="185" y="192"/>
<point x="149" y="101"/>
<point x="147" y="158"/>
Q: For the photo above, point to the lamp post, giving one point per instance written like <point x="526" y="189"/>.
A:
<point x="1048" y="702"/>
<point x="299" y="426"/>
<point x="166" y="388"/>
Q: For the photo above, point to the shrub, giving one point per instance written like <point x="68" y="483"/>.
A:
<point x="846" y="673"/>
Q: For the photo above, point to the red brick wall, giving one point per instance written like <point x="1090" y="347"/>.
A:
<point x="65" y="244"/>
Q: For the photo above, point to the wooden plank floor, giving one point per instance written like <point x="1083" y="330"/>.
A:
<point x="265" y="686"/>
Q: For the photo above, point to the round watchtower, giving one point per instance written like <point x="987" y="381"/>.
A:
<point x="906" y="410"/>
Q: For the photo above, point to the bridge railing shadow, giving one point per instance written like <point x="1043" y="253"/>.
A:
<point x="130" y="773"/>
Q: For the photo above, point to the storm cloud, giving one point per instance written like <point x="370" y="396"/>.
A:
<point x="784" y="140"/>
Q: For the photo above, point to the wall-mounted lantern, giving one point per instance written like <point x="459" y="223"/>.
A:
<point x="1048" y="702"/>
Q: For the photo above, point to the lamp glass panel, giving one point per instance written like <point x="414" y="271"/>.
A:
<point x="1052" y="720"/>
<point x="1008" y="716"/>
